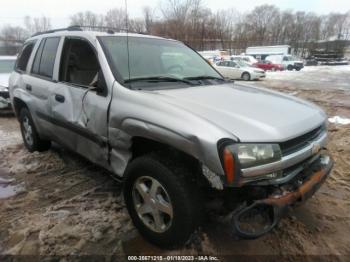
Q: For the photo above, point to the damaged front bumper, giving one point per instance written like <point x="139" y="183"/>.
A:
<point x="261" y="215"/>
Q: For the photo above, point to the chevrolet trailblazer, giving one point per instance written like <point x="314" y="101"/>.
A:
<point x="168" y="125"/>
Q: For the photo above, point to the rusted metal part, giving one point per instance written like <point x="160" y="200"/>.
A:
<point x="277" y="204"/>
<point x="306" y="190"/>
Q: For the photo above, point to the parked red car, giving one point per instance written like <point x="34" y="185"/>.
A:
<point x="267" y="65"/>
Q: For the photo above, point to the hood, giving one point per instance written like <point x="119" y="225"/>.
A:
<point x="4" y="80"/>
<point x="252" y="114"/>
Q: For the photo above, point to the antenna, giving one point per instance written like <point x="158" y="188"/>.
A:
<point x="127" y="34"/>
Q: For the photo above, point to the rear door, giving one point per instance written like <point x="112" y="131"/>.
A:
<point x="78" y="108"/>
<point x="39" y="83"/>
<point x="234" y="70"/>
<point x="225" y="67"/>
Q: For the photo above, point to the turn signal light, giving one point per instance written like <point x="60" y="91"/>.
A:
<point x="229" y="166"/>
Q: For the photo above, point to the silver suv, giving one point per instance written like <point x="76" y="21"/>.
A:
<point x="162" y="120"/>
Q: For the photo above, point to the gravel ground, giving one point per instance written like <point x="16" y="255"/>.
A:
<point x="56" y="204"/>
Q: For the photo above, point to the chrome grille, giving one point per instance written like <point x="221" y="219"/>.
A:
<point x="299" y="142"/>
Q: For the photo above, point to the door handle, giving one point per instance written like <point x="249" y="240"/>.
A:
<point x="59" y="98"/>
<point x="28" y="87"/>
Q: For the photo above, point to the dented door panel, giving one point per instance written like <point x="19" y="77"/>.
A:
<point x="82" y="121"/>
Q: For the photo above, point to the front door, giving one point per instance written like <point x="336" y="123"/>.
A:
<point x="81" y="100"/>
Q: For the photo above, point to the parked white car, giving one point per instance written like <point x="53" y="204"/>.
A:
<point x="239" y="70"/>
<point x="245" y="58"/>
<point x="7" y="64"/>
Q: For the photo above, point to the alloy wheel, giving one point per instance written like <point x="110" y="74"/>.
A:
<point x="152" y="204"/>
<point x="27" y="131"/>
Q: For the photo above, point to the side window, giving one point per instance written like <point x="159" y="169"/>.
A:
<point x="37" y="58"/>
<point x="79" y="64"/>
<point x="23" y="57"/>
<point x="45" y="57"/>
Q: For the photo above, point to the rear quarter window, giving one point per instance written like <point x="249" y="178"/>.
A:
<point x="23" y="57"/>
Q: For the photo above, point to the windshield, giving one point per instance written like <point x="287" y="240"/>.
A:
<point x="6" y="66"/>
<point x="150" y="58"/>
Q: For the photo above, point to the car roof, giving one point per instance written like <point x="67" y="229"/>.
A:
<point x="7" y="57"/>
<point x="89" y="34"/>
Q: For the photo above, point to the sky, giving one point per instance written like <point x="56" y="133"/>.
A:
<point x="13" y="11"/>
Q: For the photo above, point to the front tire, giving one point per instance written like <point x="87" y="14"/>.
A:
<point x="246" y="76"/>
<point x="161" y="201"/>
<point x="290" y="67"/>
<point x="30" y="136"/>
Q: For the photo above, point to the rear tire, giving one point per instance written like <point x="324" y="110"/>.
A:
<point x="30" y="135"/>
<point x="246" y="76"/>
<point x="290" y="67"/>
<point x="166" y="218"/>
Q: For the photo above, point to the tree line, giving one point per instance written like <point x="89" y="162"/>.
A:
<point x="203" y="29"/>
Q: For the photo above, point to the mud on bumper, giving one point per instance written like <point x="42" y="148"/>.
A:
<point x="262" y="215"/>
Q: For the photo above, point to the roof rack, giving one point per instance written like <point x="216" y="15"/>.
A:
<point x="107" y="29"/>
<point x="70" y="28"/>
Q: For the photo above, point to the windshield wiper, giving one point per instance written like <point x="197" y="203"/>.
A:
<point x="204" y="77"/>
<point x="158" y="79"/>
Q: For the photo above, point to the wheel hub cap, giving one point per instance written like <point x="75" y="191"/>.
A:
<point x="27" y="131"/>
<point x="152" y="204"/>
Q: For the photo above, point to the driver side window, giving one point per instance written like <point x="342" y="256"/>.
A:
<point x="79" y="63"/>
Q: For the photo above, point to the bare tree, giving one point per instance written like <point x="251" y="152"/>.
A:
<point x="37" y="24"/>
<point x="176" y="14"/>
<point x="116" y="18"/>
<point x="12" y="37"/>
<point x="148" y="18"/>
<point x="191" y="22"/>
<point x="14" y="33"/>
<point x="87" y="19"/>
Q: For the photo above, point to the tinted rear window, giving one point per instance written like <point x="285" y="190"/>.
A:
<point x="45" y="57"/>
<point x="24" y="55"/>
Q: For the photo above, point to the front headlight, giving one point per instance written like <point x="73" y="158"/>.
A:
<point x="245" y="155"/>
<point x="250" y="155"/>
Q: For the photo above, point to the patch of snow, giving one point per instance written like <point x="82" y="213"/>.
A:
<point x="7" y="191"/>
<point x="339" y="120"/>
